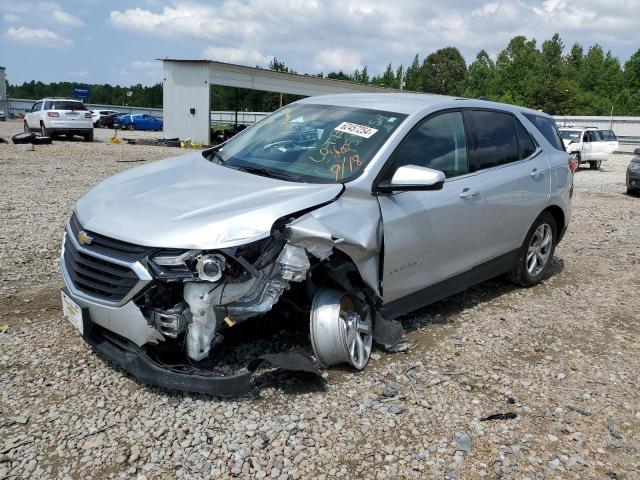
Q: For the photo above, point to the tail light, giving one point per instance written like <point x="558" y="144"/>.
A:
<point x="573" y="164"/>
<point x="53" y="114"/>
<point x="87" y="115"/>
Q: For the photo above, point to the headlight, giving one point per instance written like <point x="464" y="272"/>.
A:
<point x="634" y="166"/>
<point x="210" y="267"/>
<point x="165" y="259"/>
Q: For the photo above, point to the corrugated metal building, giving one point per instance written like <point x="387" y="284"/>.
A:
<point x="186" y="84"/>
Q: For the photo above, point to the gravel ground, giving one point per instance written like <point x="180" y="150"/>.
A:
<point x="501" y="382"/>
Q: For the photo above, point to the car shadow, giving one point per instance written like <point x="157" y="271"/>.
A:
<point x="442" y="311"/>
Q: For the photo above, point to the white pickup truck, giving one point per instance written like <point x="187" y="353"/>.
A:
<point x="589" y="144"/>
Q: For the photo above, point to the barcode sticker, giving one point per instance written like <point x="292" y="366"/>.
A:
<point x="355" y="129"/>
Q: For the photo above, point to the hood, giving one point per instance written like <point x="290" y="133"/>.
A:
<point x="189" y="202"/>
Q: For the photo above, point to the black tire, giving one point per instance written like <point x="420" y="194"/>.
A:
<point x="595" y="165"/>
<point x="44" y="131"/>
<point x="577" y="161"/>
<point x="88" y="137"/>
<point x="520" y="274"/>
<point x="23" y="138"/>
<point x="131" y="127"/>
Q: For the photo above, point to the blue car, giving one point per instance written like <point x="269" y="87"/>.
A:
<point x="139" y="122"/>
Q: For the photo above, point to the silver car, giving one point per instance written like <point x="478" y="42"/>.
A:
<point x="355" y="208"/>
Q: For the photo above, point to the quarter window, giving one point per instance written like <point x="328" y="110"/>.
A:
<point x="525" y="144"/>
<point x="547" y="127"/>
<point x="438" y="143"/>
<point x="493" y="139"/>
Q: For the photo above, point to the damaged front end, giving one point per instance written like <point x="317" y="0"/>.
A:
<point x="192" y="297"/>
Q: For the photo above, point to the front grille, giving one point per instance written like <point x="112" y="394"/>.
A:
<point x="97" y="277"/>
<point x="110" y="246"/>
<point x="91" y="270"/>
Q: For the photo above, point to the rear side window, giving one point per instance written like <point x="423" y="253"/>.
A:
<point x="438" y="143"/>
<point x="609" y="136"/>
<point x="493" y="139"/>
<point x="525" y="143"/>
<point x="547" y="127"/>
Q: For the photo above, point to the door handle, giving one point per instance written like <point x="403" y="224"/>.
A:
<point x="535" y="173"/>
<point x="469" y="192"/>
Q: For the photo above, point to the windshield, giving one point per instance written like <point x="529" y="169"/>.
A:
<point x="310" y="143"/>
<point x="573" y="135"/>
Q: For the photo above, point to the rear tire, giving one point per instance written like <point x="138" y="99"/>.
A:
<point x="595" y="165"/>
<point x="44" y="131"/>
<point x="536" y="253"/>
<point x="88" y="137"/>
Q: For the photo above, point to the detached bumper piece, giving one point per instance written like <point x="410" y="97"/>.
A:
<point x="135" y="361"/>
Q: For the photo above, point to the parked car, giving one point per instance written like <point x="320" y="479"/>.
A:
<point x="141" y="122"/>
<point x="108" y="121"/>
<point x="633" y="173"/>
<point x="3" y="116"/>
<point x="57" y="116"/>
<point x="589" y="144"/>
<point x="98" y="115"/>
<point x="355" y="208"/>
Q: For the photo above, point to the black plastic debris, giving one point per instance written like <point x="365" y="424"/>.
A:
<point x="500" y="416"/>
<point x="389" y="334"/>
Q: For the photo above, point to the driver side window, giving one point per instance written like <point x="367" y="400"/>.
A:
<point x="438" y="143"/>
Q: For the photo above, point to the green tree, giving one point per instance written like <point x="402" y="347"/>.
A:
<point x="554" y="96"/>
<point x="413" y="77"/>
<point x="552" y="54"/>
<point x="518" y="69"/>
<point x="632" y="72"/>
<point x="482" y="76"/>
<point x="444" y="72"/>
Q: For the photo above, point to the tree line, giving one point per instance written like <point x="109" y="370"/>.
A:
<point x="550" y="78"/>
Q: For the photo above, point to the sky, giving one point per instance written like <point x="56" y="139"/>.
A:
<point x="118" y="42"/>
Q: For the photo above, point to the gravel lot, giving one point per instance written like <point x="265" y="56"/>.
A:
<point x="501" y="382"/>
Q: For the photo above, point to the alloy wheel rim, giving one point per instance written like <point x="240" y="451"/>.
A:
<point x="539" y="249"/>
<point x="358" y="337"/>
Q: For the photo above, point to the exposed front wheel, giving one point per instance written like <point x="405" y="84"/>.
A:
<point x="595" y="165"/>
<point x="341" y="330"/>
<point x="536" y="253"/>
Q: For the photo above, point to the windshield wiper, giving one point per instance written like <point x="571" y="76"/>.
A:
<point x="264" y="172"/>
<point x="216" y="154"/>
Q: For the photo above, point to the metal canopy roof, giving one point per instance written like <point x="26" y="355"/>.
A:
<point x="240" y="76"/>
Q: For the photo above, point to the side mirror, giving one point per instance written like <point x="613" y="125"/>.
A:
<point x="413" y="178"/>
<point x="637" y="151"/>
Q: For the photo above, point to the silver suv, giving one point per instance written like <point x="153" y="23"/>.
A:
<point x="349" y="209"/>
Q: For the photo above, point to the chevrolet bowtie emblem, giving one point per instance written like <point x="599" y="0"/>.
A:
<point x="83" y="238"/>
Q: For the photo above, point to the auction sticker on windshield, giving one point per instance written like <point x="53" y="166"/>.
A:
<point x="355" y="129"/>
<point x="72" y="312"/>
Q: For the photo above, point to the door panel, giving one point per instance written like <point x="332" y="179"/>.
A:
<point x="512" y="197"/>
<point x="428" y="236"/>
<point x="587" y="147"/>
